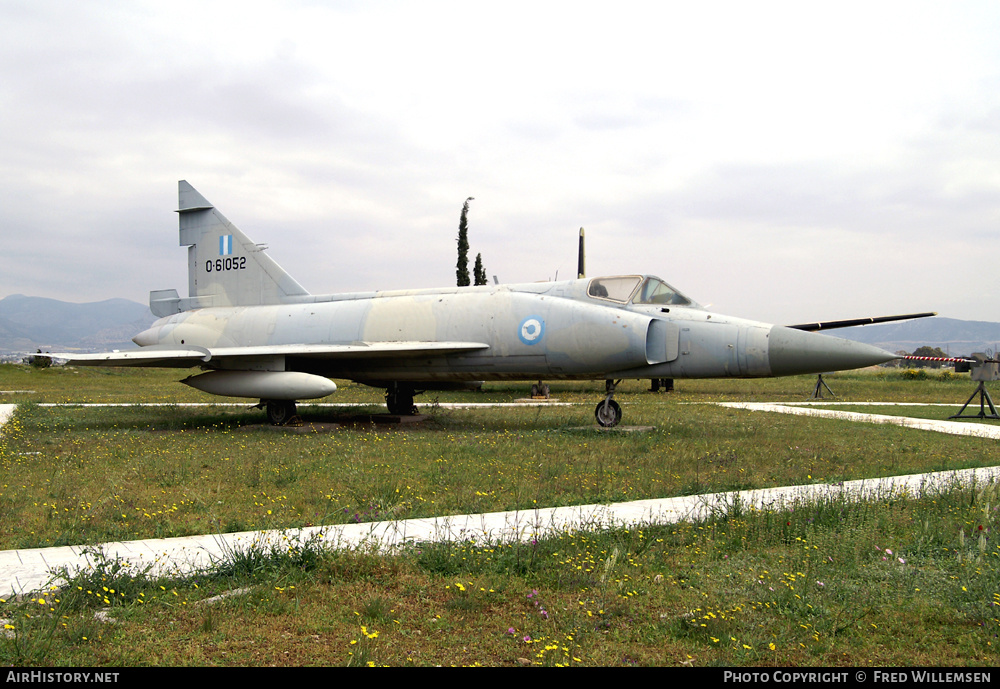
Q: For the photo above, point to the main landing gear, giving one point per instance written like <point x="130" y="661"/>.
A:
<point x="609" y="412"/>
<point x="539" y="390"/>
<point x="279" y="412"/>
<point x="399" y="399"/>
<point x="666" y="384"/>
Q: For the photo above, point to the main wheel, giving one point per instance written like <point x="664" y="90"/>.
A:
<point x="399" y="400"/>
<point x="608" y="413"/>
<point x="280" y="412"/>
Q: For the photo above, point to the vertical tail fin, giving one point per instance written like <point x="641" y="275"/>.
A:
<point x="225" y="268"/>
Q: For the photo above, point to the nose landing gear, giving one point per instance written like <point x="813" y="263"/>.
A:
<point x="608" y="412"/>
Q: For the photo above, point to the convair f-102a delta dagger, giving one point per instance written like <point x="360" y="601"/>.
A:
<point x="256" y="333"/>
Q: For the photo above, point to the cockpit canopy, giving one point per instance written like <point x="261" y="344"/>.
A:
<point x="637" y="288"/>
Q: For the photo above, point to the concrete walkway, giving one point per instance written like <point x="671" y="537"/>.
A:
<point x="980" y="430"/>
<point x="24" y="571"/>
<point x="6" y="411"/>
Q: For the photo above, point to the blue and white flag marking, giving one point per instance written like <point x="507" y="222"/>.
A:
<point x="225" y="245"/>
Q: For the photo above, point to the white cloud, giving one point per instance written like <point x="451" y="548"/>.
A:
<point x="730" y="147"/>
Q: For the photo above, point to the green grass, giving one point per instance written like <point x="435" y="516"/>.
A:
<point x="76" y="475"/>
<point x="816" y="581"/>
<point x="839" y="583"/>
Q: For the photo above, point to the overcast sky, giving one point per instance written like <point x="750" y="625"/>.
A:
<point x="779" y="161"/>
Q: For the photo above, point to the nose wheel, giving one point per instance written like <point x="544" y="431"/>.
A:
<point x="608" y="412"/>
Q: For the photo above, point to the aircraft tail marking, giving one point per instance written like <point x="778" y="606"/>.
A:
<point x="225" y="268"/>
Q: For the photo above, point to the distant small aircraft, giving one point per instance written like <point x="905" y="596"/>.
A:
<point x="258" y="334"/>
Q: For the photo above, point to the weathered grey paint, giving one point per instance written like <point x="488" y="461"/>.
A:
<point x="245" y="316"/>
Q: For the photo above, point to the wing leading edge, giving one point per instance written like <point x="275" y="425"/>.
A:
<point x="850" y="323"/>
<point x="185" y="357"/>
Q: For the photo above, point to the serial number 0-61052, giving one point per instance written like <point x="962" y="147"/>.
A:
<point x="228" y="263"/>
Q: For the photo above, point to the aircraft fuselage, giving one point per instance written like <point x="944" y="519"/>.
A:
<point x="539" y="330"/>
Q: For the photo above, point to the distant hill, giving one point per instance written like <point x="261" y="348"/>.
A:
<point x="953" y="336"/>
<point x="30" y="323"/>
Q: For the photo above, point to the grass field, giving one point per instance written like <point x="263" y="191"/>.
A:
<point x="816" y="585"/>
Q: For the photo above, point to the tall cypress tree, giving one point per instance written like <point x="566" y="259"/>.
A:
<point x="478" y="272"/>
<point x="462" y="272"/>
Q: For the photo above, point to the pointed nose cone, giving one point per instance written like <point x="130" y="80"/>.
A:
<point x="792" y="351"/>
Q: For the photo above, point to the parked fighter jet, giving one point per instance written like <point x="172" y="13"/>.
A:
<point x="257" y="333"/>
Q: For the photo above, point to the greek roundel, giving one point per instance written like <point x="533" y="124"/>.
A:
<point x="531" y="330"/>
